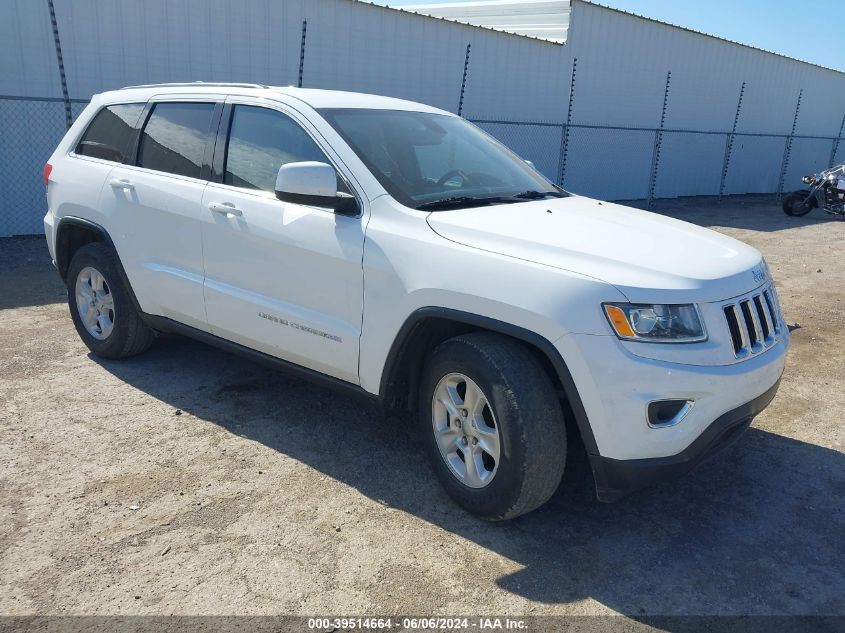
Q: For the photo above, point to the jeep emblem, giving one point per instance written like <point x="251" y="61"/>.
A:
<point x="759" y="275"/>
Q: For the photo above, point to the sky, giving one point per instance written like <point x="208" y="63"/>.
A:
<point x="809" y="30"/>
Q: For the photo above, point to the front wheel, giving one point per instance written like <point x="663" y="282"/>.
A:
<point x="493" y="425"/>
<point x="797" y="204"/>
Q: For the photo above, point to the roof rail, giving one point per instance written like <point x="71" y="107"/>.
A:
<point x="198" y="84"/>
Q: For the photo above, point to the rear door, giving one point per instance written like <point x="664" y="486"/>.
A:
<point x="282" y="278"/>
<point x="156" y="205"/>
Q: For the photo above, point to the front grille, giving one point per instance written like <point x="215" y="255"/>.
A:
<point x="753" y="322"/>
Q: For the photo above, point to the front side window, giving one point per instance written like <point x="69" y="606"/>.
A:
<point x="174" y="138"/>
<point x="262" y="140"/>
<point x="429" y="160"/>
<point x="110" y="132"/>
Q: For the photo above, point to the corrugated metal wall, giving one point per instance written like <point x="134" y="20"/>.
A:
<point x="621" y="74"/>
<point x="350" y="46"/>
<point x="622" y="62"/>
<point x="27" y="53"/>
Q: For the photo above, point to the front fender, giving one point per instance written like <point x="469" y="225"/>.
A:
<point x="546" y="347"/>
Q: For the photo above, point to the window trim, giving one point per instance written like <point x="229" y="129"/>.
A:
<point x="221" y="148"/>
<point x="132" y="156"/>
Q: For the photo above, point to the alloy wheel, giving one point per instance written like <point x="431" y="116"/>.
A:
<point x="94" y="303"/>
<point x="466" y="430"/>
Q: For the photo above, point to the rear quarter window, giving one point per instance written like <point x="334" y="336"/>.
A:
<point x="110" y="132"/>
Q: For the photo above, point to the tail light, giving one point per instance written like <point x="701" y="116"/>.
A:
<point x="48" y="169"/>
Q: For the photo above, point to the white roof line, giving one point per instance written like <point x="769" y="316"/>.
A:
<point x="197" y="84"/>
<point x="313" y="97"/>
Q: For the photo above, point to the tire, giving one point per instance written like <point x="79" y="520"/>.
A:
<point x="522" y="410"/>
<point x="95" y="265"/>
<point x="796" y="204"/>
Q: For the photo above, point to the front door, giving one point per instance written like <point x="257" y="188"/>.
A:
<point x="285" y="279"/>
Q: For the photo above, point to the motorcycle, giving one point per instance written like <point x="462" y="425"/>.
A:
<point x="824" y="192"/>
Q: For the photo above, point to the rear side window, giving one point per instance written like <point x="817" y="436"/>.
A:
<point x="261" y="141"/>
<point x="174" y="138"/>
<point x="109" y="134"/>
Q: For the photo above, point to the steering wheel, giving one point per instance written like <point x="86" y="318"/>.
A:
<point x="451" y="174"/>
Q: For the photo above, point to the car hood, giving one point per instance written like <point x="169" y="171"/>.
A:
<point x="649" y="257"/>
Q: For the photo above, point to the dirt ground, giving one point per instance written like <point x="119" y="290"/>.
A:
<point x="190" y="481"/>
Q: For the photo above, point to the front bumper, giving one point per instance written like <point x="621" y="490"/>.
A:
<point x="615" y="388"/>
<point x="616" y="478"/>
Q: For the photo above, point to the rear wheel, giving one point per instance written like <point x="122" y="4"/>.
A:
<point x="796" y="204"/>
<point x="100" y="305"/>
<point x="493" y="425"/>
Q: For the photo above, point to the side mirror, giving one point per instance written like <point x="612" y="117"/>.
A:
<point x="313" y="184"/>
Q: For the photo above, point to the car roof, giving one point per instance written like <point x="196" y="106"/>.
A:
<point x="316" y="98"/>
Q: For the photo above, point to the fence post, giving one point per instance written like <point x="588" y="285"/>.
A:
<point x="729" y="143"/>
<point x="658" y="139"/>
<point x="60" y="61"/>
<point x="464" y="80"/>
<point x="302" y="52"/>
<point x="788" y="146"/>
<point x="836" y="144"/>
<point x="564" y="135"/>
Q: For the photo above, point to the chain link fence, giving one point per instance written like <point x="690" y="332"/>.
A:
<point x="30" y="129"/>
<point x="607" y="162"/>
<point x="627" y="163"/>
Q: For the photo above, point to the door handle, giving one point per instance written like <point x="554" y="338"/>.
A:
<point x="121" y="184"/>
<point x="226" y="208"/>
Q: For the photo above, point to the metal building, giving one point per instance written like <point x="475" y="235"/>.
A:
<point x="626" y="108"/>
<point x="543" y="19"/>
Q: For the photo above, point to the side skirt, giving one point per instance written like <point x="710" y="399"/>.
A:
<point x="163" y="324"/>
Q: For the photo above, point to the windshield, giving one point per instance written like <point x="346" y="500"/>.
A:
<point x="430" y="161"/>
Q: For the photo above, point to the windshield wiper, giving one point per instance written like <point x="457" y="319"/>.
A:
<point x="538" y="195"/>
<point x="463" y="201"/>
<point x="477" y="201"/>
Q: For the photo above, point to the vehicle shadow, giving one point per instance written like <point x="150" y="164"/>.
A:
<point x="759" y="530"/>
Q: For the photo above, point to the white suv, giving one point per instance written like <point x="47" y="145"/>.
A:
<point x="399" y="251"/>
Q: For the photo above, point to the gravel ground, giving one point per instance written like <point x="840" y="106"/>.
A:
<point x="190" y="481"/>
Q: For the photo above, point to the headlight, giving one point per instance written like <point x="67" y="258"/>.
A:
<point x="809" y="180"/>
<point x="656" y="323"/>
